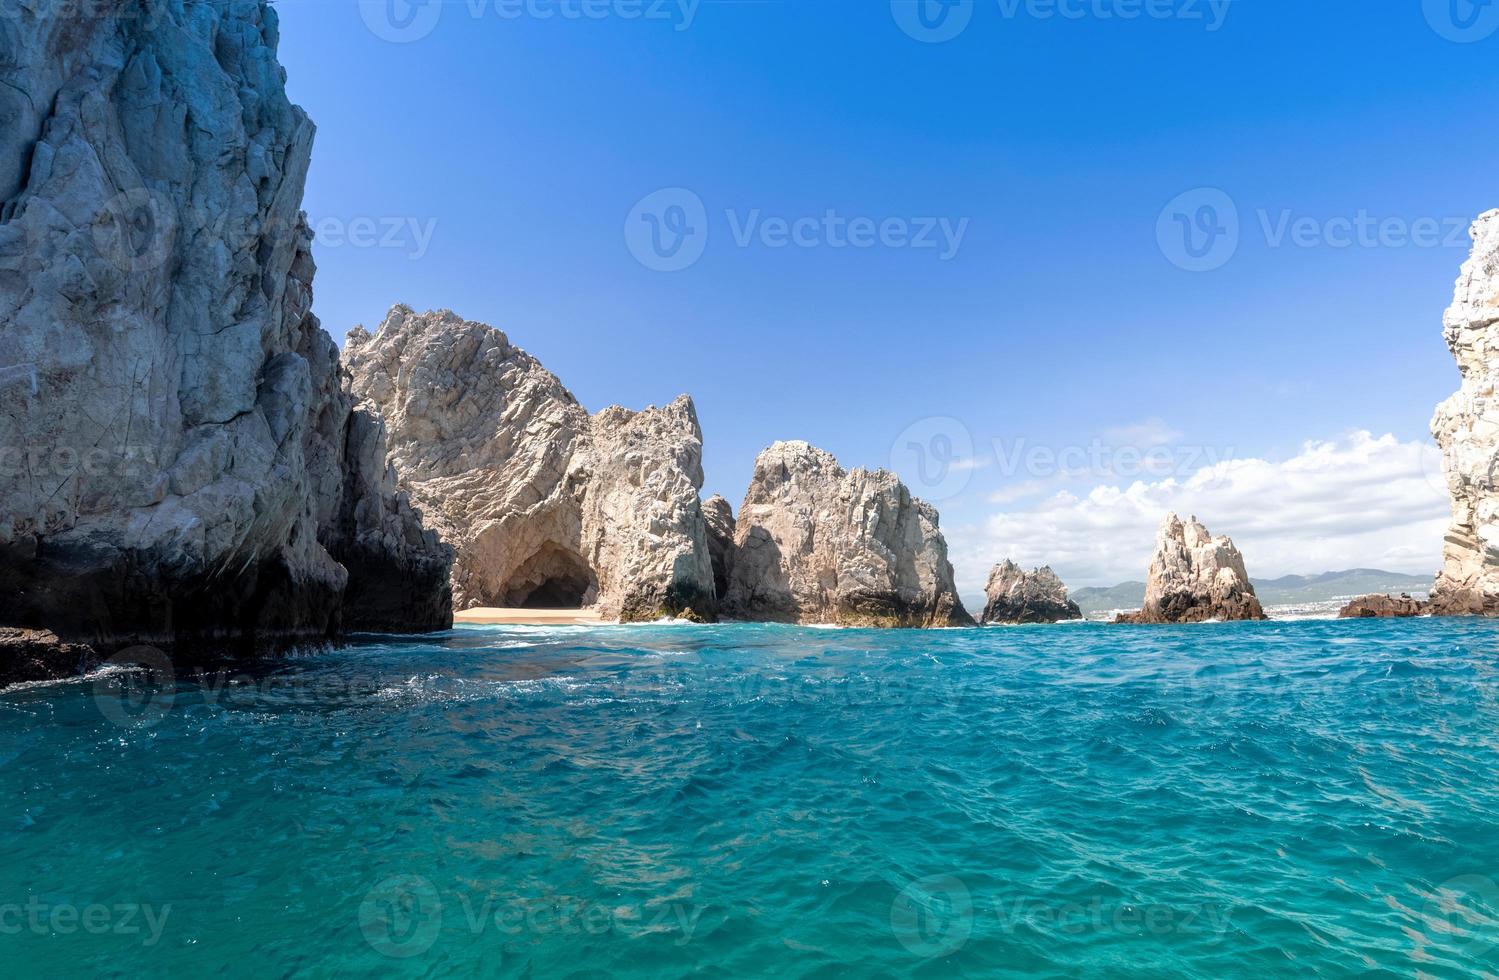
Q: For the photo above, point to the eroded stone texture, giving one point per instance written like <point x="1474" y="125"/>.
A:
<point x="1466" y="427"/>
<point x="1015" y="596"/>
<point x="1195" y="577"/>
<point x="1383" y="607"/>
<point x="176" y="465"/>
<point x="546" y="505"/>
<point x="719" y="517"/>
<point x="815" y="543"/>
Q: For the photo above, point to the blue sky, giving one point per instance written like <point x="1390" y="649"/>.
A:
<point x="501" y="150"/>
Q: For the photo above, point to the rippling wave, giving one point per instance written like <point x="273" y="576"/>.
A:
<point x="1287" y="799"/>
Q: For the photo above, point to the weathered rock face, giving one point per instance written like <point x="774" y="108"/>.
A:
<point x="1466" y="426"/>
<point x="38" y="655"/>
<point x="546" y="505"/>
<point x="179" y="466"/>
<point x="719" y="517"/>
<point x="1195" y="577"/>
<point x="815" y="543"/>
<point x="1383" y="607"/>
<point x="1014" y="596"/>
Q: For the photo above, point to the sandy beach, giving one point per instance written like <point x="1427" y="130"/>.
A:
<point x="495" y="616"/>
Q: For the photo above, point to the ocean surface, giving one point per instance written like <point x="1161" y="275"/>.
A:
<point x="1311" y="798"/>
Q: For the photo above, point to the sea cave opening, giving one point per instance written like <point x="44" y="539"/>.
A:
<point x="553" y="578"/>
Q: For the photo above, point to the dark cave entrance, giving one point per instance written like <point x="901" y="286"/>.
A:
<point x="553" y="578"/>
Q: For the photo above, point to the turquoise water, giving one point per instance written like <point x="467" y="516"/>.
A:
<point x="1279" y="799"/>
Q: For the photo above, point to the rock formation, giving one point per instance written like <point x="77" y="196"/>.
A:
<point x="546" y="506"/>
<point x="178" y="466"/>
<point x="720" y="522"/>
<point x="1466" y="426"/>
<point x="1195" y="577"/>
<point x="1014" y="596"/>
<point x="815" y="543"/>
<point x="1383" y="607"/>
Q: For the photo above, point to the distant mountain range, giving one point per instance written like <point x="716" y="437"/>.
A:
<point x="1287" y="590"/>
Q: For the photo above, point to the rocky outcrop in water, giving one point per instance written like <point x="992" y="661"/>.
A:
<point x="1195" y="577"/>
<point x="177" y="464"/>
<point x="1383" y="607"/>
<point x="1466" y="427"/>
<point x="1015" y="596"/>
<point x="815" y="543"/>
<point x="719" y="517"/>
<point x="547" y="506"/>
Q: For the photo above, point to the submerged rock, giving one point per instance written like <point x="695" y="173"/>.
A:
<point x="1383" y="607"/>
<point x="1195" y="577"/>
<point x="1466" y="427"/>
<point x="546" y="505"/>
<point x="815" y="543"/>
<point x="1015" y="596"/>
<point x="179" y="465"/>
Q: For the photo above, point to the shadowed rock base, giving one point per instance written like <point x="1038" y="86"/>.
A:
<point x="1383" y="607"/>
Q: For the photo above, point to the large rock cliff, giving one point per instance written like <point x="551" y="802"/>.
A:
<point x="1466" y="426"/>
<point x="178" y="465"/>
<point x="546" y="505"/>
<point x="815" y="543"/>
<point x="1015" y="596"/>
<point x="1195" y="577"/>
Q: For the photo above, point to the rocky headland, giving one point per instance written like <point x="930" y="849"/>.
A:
<point x="1195" y="577"/>
<point x="1466" y="426"/>
<point x="546" y="505"/>
<point x="181" y="467"/>
<point x="815" y="543"/>
<point x="1015" y="596"/>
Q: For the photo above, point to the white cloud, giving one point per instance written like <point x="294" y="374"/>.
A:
<point x="1358" y="501"/>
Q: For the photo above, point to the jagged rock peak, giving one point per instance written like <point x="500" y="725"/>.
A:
<point x="1195" y="577"/>
<point x="1016" y="596"/>
<point x="817" y="544"/>
<point x="546" y="505"/>
<point x="1466" y="427"/>
<point x="201" y="487"/>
